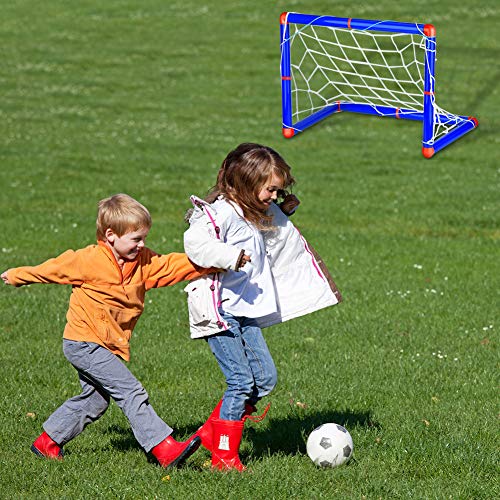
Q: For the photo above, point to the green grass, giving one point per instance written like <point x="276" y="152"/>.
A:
<point x="147" y="98"/>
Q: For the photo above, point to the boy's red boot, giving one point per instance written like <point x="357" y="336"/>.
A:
<point x="45" y="446"/>
<point x="172" y="453"/>
<point x="226" y="439"/>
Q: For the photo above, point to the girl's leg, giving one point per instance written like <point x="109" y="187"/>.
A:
<point x="250" y="373"/>
<point x="260" y="361"/>
<point x="229" y="351"/>
<point x="246" y="362"/>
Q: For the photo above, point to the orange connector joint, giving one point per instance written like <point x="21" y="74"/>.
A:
<point x="428" y="152"/>
<point x="429" y="30"/>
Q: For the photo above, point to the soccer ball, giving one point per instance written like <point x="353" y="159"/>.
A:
<point x="329" y="445"/>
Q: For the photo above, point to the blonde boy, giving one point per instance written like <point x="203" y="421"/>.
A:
<point x="109" y="281"/>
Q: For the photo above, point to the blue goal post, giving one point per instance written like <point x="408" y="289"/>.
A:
<point x="384" y="68"/>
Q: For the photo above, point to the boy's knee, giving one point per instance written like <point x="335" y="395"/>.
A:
<point x="99" y="407"/>
<point x="132" y="399"/>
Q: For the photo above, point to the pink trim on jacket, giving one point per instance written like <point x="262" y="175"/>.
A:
<point x="215" y="282"/>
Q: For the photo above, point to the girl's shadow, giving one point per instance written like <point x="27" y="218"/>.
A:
<point x="289" y="435"/>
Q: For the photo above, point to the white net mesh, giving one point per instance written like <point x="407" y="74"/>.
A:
<point x="330" y="65"/>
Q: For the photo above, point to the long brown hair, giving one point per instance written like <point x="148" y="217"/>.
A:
<point x="242" y="175"/>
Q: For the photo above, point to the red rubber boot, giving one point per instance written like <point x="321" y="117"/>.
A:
<point x="172" y="453"/>
<point x="45" y="446"/>
<point x="226" y="439"/>
<point x="205" y="431"/>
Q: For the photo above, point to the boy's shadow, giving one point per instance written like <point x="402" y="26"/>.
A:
<point x="122" y="438"/>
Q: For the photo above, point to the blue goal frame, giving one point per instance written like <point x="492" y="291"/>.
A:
<point x="429" y="145"/>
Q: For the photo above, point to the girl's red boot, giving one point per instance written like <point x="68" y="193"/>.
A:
<point x="172" y="453"/>
<point x="226" y="439"/>
<point x="45" y="446"/>
<point x="205" y="431"/>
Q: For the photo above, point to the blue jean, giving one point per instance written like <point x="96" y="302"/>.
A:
<point x="246" y="363"/>
<point x="104" y="376"/>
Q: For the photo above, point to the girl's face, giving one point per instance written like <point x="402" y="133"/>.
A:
<point x="269" y="191"/>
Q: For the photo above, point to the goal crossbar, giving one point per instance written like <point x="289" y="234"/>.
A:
<point x="385" y="68"/>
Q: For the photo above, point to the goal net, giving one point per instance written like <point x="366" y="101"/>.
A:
<point x="385" y="68"/>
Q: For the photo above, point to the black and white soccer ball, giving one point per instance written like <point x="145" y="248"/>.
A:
<point x="330" y="445"/>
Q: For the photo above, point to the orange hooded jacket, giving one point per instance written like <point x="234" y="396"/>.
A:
<point x="107" y="301"/>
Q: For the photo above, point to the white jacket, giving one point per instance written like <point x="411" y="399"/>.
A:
<point x="302" y="284"/>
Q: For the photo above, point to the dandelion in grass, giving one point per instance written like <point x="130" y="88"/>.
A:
<point x="399" y="293"/>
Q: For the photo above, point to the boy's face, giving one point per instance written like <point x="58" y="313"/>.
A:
<point x="127" y="246"/>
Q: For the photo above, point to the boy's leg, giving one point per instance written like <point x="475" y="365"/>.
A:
<point x="71" y="418"/>
<point x="113" y="378"/>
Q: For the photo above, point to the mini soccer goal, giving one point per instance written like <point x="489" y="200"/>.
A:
<point x="385" y="68"/>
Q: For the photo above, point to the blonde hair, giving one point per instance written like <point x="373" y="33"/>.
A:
<point x="122" y="214"/>
<point x="242" y="175"/>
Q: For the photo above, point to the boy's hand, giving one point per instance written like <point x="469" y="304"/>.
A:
<point x="4" y="277"/>
<point x="289" y="204"/>
<point x="242" y="260"/>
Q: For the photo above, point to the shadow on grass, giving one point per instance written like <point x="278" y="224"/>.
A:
<point x="122" y="438"/>
<point x="286" y="435"/>
<point x="289" y="435"/>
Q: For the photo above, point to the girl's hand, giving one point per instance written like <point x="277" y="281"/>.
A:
<point x="289" y="204"/>
<point x="4" y="277"/>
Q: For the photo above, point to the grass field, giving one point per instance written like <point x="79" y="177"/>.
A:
<point x="147" y="97"/>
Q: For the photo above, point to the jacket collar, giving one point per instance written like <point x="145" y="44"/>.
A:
<point x="128" y="266"/>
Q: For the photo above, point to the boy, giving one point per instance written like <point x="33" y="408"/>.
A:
<point x="109" y="282"/>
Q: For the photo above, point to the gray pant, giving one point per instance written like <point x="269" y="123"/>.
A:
<point x="103" y="376"/>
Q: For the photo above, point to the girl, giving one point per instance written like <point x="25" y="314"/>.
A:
<point x="271" y="276"/>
